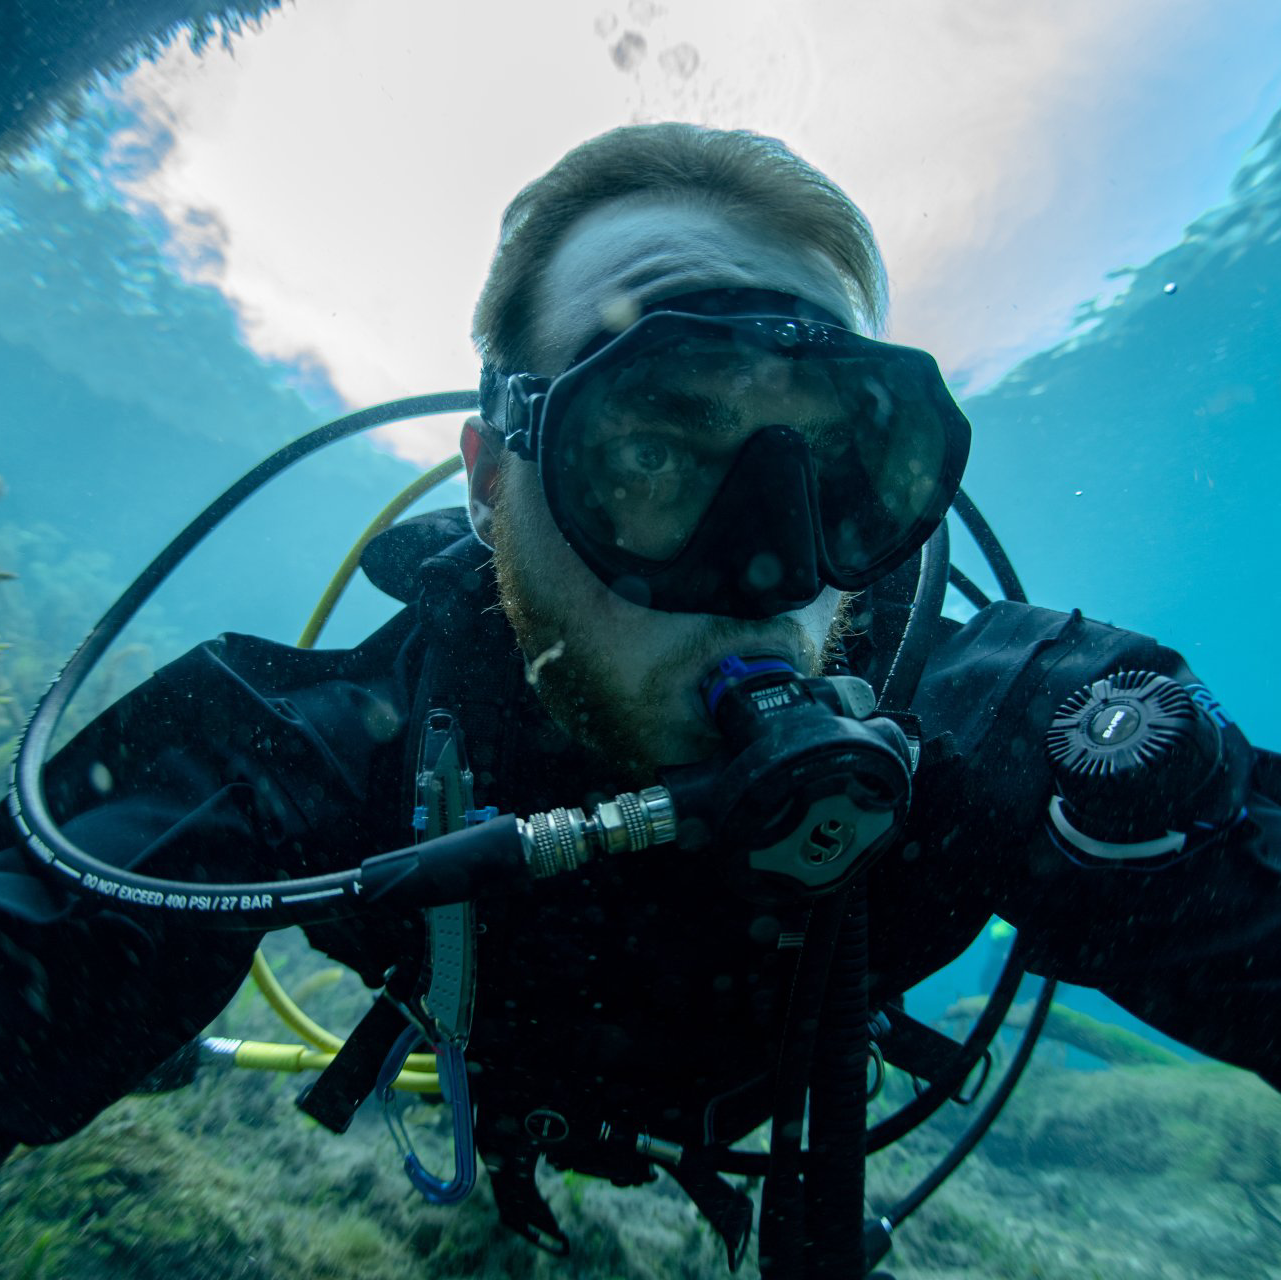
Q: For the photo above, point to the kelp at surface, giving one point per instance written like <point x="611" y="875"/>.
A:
<point x="52" y="52"/>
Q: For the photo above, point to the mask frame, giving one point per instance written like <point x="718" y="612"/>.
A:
<point x="779" y="557"/>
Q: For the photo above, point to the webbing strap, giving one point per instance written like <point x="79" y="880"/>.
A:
<point x="520" y="1206"/>
<point x="334" y="1096"/>
<point x="725" y="1207"/>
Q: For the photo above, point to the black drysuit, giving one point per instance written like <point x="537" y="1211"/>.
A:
<point x="641" y="992"/>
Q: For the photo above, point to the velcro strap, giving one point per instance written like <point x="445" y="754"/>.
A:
<point x="724" y="1206"/>
<point x="914" y="1047"/>
<point x="350" y="1078"/>
<point x="520" y="1206"/>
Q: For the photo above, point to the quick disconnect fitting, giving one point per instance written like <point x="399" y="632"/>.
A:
<point x="562" y="840"/>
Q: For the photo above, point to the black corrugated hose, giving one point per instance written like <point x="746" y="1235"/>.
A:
<point x="837" y="1165"/>
<point x="782" y="1230"/>
<point x="835" y="1172"/>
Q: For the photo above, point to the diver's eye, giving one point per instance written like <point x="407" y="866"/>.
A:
<point x="645" y="456"/>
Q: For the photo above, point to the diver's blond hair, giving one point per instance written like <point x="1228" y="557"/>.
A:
<point x="732" y="169"/>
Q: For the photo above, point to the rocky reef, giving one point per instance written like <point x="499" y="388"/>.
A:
<point x="1123" y="1173"/>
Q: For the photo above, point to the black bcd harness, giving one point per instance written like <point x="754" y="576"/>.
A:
<point x="526" y="1112"/>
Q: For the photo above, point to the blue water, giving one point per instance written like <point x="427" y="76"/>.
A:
<point x="1130" y="472"/>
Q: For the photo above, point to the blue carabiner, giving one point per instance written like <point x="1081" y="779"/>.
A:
<point x="453" y="1085"/>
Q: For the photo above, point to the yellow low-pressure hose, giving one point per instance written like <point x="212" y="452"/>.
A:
<point x="405" y="499"/>
<point x="259" y="1056"/>
<point x="419" y="1075"/>
<point x="290" y="1014"/>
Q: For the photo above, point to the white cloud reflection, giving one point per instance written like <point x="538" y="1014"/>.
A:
<point x="340" y="174"/>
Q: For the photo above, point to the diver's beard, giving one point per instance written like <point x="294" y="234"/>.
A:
<point x="834" y="646"/>
<point x="575" y="682"/>
<point x="578" y="683"/>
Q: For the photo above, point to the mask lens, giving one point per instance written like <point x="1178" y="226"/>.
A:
<point x="645" y="447"/>
<point x="640" y="438"/>
<point x="880" y="476"/>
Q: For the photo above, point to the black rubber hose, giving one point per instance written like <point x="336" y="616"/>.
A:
<point x="990" y="546"/>
<point x="836" y="1169"/>
<point x="983" y="1121"/>
<point x="907" y="1117"/>
<point x="56" y="852"/>
<point x="968" y="587"/>
<point x="922" y="624"/>
<point x="755" y="1164"/>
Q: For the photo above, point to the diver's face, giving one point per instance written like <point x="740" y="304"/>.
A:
<point x="620" y="677"/>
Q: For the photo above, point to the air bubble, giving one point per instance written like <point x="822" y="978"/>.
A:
<point x="680" y="61"/>
<point x="630" y="51"/>
<point x="764" y="572"/>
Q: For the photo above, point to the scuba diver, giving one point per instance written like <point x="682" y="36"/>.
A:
<point x="670" y="778"/>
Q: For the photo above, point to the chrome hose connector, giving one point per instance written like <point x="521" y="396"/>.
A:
<point x="565" y="839"/>
<point x="219" y="1050"/>
<point x="555" y="842"/>
<point x="660" y="814"/>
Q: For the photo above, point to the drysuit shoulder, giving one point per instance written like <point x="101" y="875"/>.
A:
<point x="395" y="560"/>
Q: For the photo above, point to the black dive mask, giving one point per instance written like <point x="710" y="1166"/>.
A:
<point x="734" y="464"/>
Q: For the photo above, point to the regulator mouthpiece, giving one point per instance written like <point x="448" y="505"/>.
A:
<point x="809" y="788"/>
